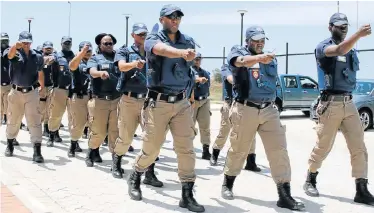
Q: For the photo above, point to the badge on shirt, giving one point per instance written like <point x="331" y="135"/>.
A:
<point x="62" y="68"/>
<point x="342" y="59"/>
<point x="255" y="73"/>
<point x="45" y="66"/>
<point x="105" y="66"/>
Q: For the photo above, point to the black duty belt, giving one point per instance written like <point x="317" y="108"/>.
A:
<point x="168" y="98"/>
<point x="252" y="104"/>
<point x="135" y="95"/>
<point x="5" y="84"/>
<point x="200" y="98"/>
<point x="343" y="98"/>
<point x="24" y="89"/>
<point x="106" y="97"/>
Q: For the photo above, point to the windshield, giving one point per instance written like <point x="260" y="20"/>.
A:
<point x="363" y="88"/>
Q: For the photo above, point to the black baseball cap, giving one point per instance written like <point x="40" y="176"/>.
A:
<point x="25" y="36"/>
<point x="169" y="9"/>
<point x="338" y="19"/>
<point x="47" y="44"/>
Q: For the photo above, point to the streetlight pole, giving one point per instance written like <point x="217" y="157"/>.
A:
<point x="127" y="27"/>
<point x="29" y="19"/>
<point x="242" y="12"/>
<point x="69" y="17"/>
<point x="338" y="6"/>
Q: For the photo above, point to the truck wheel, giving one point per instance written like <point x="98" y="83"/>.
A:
<point x="366" y="119"/>
<point x="277" y="107"/>
<point x="306" y="113"/>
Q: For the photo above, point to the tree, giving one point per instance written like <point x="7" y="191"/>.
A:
<point x="217" y="76"/>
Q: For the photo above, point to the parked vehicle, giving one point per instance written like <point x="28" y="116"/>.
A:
<point x="363" y="97"/>
<point x="295" y="92"/>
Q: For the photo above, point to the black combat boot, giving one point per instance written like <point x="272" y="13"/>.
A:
<point x="45" y="130"/>
<point x="310" y="185"/>
<point x="205" y="155"/>
<point x="116" y="166"/>
<point x="58" y="139"/>
<point x="251" y="163"/>
<point x="51" y="140"/>
<point x="214" y="157"/>
<point x="62" y="125"/>
<point x="22" y="125"/>
<point x="9" y="148"/>
<point x="135" y="135"/>
<point x="37" y="157"/>
<point x="15" y="142"/>
<point x="4" y="120"/>
<point x="150" y="177"/>
<point x="96" y="156"/>
<point x="188" y="201"/>
<point x="228" y="184"/>
<point x="85" y="132"/>
<point x="72" y="148"/>
<point x="157" y="159"/>
<point x="105" y="143"/>
<point x="134" y="185"/>
<point x="362" y="193"/>
<point x="89" y="157"/>
<point x="285" y="198"/>
<point x="131" y="149"/>
<point x="78" y="148"/>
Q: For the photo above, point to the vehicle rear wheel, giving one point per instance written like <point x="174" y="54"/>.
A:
<point x="306" y="113"/>
<point x="366" y="118"/>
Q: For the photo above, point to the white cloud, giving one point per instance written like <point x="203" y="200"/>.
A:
<point x="285" y="13"/>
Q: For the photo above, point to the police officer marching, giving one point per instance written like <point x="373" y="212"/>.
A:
<point x="102" y="108"/>
<point x="201" y="110"/>
<point x="5" y="78"/>
<point x="62" y="86"/>
<point x="26" y="75"/>
<point x="255" y="75"/>
<point x="227" y="81"/>
<point x="337" y="66"/>
<point x="133" y="86"/>
<point x="78" y="96"/>
<point x="169" y="55"/>
<point x="50" y="68"/>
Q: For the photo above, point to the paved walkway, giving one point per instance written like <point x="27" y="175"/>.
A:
<point x="10" y="203"/>
<point x="66" y="185"/>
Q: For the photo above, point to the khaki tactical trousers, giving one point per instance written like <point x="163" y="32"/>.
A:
<point x="4" y="99"/>
<point x="246" y="121"/>
<point x="78" y="115"/>
<point x="59" y="103"/>
<point x="201" y="114"/>
<point x="45" y="102"/>
<point x="24" y="104"/>
<point x="343" y="115"/>
<point x="156" y="121"/>
<point x="129" y="117"/>
<point x="102" y="120"/>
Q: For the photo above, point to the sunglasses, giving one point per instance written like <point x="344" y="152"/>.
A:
<point x="142" y="34"/>
<point x="174" y="16"/>
<point x="108" y="44"/>
<point x="342" y="27"/>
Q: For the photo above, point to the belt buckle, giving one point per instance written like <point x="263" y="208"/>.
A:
<point x="140" y="96"/>
<point x="201" y="98"/>
<point x="171" y="99"/>
<point x="24" y="90"/>
<point x="4" y="84"/>
<point x="67" y="87"/>
<point x="263" y="105"/>
<point x="107" y="97"/>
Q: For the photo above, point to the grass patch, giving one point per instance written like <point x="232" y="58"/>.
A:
<point x="215" y="91"/>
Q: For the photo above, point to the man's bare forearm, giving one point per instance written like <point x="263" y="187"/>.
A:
<point x="41" y="79"/>
<point x="124" y="67"/>
<point x="95" y="73"/>
<point x="12" y="52"/>
<point x="246" y="61"/>
<point x="342" y="48"/>
<point x="162" y="49"/>
<point x="74" y="63"/>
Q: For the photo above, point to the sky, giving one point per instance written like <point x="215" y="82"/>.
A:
<point x="214" y="25"/>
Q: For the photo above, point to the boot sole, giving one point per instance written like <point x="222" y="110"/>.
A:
<point x="363" y="202"/>
<point x="148" y="183"/>
<point x="183" y="205"/>
<point x="8" y="155"/>
<point x="293" y="208"/>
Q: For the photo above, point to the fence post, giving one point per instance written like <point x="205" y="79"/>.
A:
<point x="223" y="62"/>
<point x="287" y="58"/>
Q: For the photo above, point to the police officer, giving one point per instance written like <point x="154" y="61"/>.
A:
<point x="169" y="60"/>
<point x="133" y="86"/>
<point x="39" y="49"/>
<point x="255" y="74"/>
<point x="78" y="97"/>
<point x="227" y="81"/>
<point x="62" y="85"/>
<point x="102" y="108"/>
<point x="5" y="79"/>
<point x="337" y="66"/>
<point x="201" y="111"/>
<point x="50" y="67"/>
<point x="26" y="75"/>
